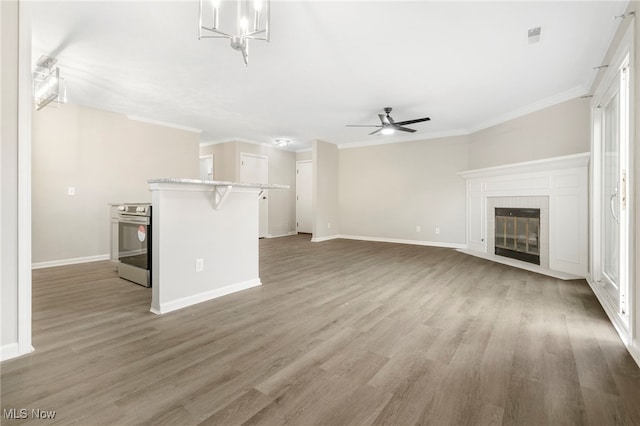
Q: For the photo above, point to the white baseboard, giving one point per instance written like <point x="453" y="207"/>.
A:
<point x="633" y="346"/>
<point x="205" y="296"/>
<point x="320" y="239"/>
<point x="523" y="265"/>
<point x="634" y="350"/>
<point x="610" y="310"/>
<point x="12" y="350"/>
<point x="72" y="261"/>
<point x="402" y="241"/>
<point x="288" y="234"/>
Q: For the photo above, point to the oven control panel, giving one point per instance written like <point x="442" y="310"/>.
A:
<point x="135" y="209"/>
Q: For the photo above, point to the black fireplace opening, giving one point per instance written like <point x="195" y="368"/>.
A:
<point x="518" y="234"/>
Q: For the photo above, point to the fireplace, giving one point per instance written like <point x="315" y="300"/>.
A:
<point x="517" y="233"/>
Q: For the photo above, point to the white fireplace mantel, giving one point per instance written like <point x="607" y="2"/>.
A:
<point x="564" y="181"/>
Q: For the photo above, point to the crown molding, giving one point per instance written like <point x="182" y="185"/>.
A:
<point x="164" y="124"/>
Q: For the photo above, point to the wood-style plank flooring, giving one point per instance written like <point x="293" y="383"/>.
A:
<point x="340" y="332"/>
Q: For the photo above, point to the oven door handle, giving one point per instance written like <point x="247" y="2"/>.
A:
<point x="134" y="220"/>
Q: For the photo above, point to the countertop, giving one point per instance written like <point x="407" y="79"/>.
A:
<point x="216" y="183"/>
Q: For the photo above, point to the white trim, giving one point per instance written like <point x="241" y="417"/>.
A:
<point x="24" y="179"/>
<point x="545" y="164"/>
<point x="164" y="124"/>
<point x="227" y="140"/>
<point x="288" y="234"/>
<point x="251" y="154"/>
<point x="321" y="239"/>
<point x="8" y="351"/>
<point x="625" y="325"/>
<point x="522" y="265"/>
<point x="403" y="241"/>
<point x="634" y="350"/>
<point x="205" y="296"/>
<point x="610" y="310"/>
<point x="389" y="240"/>
<point x="71" y="261"/>
<point x="528" y="109"/>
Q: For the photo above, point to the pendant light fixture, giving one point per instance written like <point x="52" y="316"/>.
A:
<point x="250" y="19"/>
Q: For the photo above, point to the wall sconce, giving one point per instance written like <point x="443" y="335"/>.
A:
<point x="47" y="83"/>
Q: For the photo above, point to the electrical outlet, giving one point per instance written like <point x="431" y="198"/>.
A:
<point x="71" y="190"/>
<point x="418" y="228"/>
<point x="199" y="265"/>
<point x="437" y="230"/>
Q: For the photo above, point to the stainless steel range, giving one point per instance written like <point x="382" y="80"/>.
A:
<point x="134" y="243"/>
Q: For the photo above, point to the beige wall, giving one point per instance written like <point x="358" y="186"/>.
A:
<point x="282" y="170"/>
<point x="223" y="168"/>
<point x="388" y="190"/>
<point x="282" y="164"/>
<point x="108" y="159"/>
<point x="304" y="155"/>
<point x="9" y="172"/>
<point x="562" y="129"/>
<point x="326" y="207"/>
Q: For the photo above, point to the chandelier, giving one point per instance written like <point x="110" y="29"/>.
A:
<point x="251" y="21"/>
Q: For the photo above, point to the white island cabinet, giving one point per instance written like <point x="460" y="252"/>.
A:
<point x="204" y="240"/>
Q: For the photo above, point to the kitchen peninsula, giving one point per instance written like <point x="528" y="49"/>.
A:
<point x="205" y="240"/>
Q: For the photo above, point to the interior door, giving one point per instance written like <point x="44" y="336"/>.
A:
<point x="255" y="169"/>
<point x="613" y="208"/>
<point x="304" y="199"/>
<point x="206" y="167"/>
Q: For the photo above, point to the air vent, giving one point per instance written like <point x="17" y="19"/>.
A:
<point x="533" y="35"/>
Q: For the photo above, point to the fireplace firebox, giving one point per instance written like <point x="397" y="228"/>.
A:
<point x="517" y="234"/>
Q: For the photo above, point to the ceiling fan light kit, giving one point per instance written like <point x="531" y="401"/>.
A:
<point x="281" y="143"/>
<point x="388" y="126"/>
<point x="251" y="19"/>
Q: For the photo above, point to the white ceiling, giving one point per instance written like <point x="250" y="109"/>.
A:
<point x="467" y="65"/>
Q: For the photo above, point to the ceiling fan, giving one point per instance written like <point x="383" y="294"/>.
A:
<point x="388" y="126"/>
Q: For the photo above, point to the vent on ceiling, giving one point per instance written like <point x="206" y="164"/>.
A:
<point x="533" y="35"/>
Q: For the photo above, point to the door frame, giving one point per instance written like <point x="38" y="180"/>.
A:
<point x="213" y="164"/>
<point x="298" y="162"/>
<point x="623" y="323"/>
<point x="263" y="193"/>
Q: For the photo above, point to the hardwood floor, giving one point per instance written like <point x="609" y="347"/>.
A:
<point x="341" y="332"/>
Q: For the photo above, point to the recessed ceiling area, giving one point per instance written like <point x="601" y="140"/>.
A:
<point x="466" y="65"/>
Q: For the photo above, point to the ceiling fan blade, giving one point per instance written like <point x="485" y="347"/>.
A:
<point x="363" y="125"/>
<point x="405" y="129"/>
<point x="417" y="120"/>
<point x="375" y="131"/>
